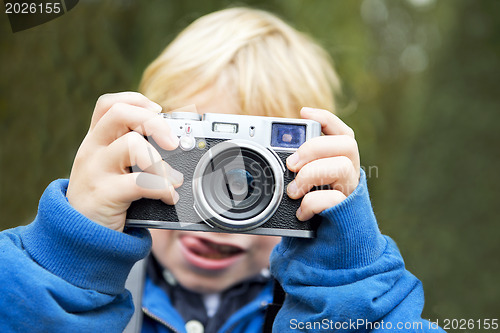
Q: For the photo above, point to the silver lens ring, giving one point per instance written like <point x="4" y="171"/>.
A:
<point x="204" y="209"/>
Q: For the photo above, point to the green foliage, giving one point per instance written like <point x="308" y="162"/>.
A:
<point x="420" y="82"/>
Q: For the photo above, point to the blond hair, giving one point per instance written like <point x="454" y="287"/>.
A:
<point x="269" y="67"/>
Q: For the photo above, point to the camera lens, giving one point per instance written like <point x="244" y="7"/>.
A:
<point x="238" y="185"/>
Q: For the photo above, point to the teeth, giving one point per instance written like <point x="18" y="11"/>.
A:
<point x="222" y="251"/>
<point x="224" y="248"/>
<point x="215" y="256"/>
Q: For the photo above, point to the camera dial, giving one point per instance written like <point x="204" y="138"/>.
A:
<point x="183" y="115"/>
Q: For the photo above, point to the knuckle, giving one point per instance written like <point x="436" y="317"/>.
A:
<point x="135" y="140"/>
<point x="350" y="132"/>
<point x="324" y="112"/>
<point x="351" y="143"/>
<point x="310" y="179"/>
<point x="117" y="107"/>
<point x="103" y="98"/>
<point x="329" y="116"/>
<point x="337" y="196"/>
<point x="307" y="171"/>
<point x="344" y="163"/>
<point x="306" y="147"/>
<point x="308" y="201"/>
<point x="132" y="95"/>
<point x="301" y="180"/>
<point x="313" y="148"/>
<point x="321" y="144"/>
<point x="117" y="111"/>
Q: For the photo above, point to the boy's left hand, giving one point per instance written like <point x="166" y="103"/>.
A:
<point x="332" y="159"/>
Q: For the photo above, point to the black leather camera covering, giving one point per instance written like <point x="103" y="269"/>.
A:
<point x="185" y="162"/>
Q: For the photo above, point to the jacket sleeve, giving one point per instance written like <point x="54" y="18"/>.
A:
<point x="65" y="273"/>
<point x="350" y="278"/>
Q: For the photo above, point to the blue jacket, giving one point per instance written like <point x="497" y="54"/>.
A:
<point x="65" y="273"/>
<point x="160" y="316"/>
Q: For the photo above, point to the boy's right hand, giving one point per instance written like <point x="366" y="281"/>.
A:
<point x="101" y="186"/>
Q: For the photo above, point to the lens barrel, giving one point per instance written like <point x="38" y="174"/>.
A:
<point x="238" y="185"/>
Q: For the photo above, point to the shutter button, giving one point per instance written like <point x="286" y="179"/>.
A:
<point x="194" y="326"/>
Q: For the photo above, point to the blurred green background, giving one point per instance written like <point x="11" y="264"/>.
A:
<point x="420" y="89"/>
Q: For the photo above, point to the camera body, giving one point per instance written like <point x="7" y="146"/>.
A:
<point x="234" y="176"/>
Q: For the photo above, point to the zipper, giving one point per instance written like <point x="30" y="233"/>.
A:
<point x="158" y="319"/>
<point x="262" y="305"/>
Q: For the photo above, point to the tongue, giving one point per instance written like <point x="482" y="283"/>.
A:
<point x="198" y="246"/>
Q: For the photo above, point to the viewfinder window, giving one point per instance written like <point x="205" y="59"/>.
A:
<point x="225" y="128"/>
<point x="287" y="135"/>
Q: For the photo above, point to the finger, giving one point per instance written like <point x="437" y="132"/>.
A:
<point x="134" y="186"/>
<point x="317" y="201"/>
<point x="106" y="101"/>
<point x="123" y="118"/>
<point x="335" y="171"/>
<point x="132" y="150"/>
<point x="323" y="147"/>
<point x="330" y="123"/>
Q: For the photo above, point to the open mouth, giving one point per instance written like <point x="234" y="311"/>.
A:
<point x="208" y="254"/>
<point x="213" y="250"/>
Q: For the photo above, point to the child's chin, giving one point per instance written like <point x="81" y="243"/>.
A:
<point x="204" y="284"/>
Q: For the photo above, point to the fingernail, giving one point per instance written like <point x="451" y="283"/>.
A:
<point x="176" y="177"/>
<point x="298" y="213"/>
<point x="148" y="181"/>
<point x="154" y="106"/>
<point x="293" y="159"/>
<point x="307" y="109"/>
<point x="175" y="197"/>
<point x="292" y="188"/>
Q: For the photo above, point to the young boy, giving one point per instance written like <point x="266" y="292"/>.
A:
<point x="66" y="271"/>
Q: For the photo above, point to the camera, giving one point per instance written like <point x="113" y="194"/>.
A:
<point x="234" y="176"/>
